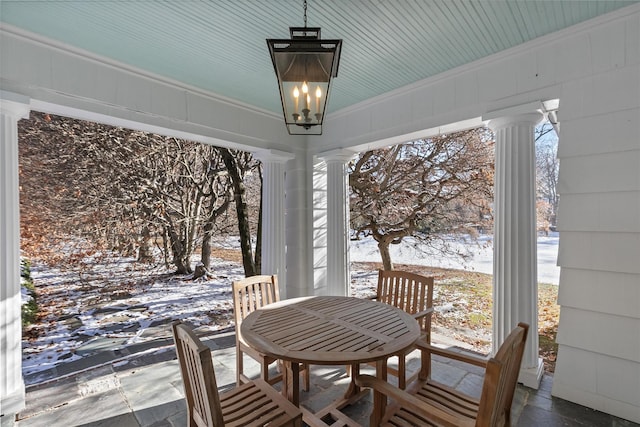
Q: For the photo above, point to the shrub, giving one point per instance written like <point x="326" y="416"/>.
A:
<point x="29" y="306"/>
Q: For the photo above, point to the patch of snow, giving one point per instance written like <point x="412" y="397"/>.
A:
<point x="480" y="260"/>
<point x="124" y="303"/>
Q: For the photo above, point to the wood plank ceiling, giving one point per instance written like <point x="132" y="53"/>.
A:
<point x="219" y="46"/>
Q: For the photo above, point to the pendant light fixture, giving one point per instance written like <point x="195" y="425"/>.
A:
<point x="304" y="66"/>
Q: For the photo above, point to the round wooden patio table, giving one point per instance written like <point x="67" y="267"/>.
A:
<point x="329" y="330"/>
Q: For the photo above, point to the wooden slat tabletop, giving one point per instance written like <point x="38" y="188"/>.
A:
<point x="328" y="330"/>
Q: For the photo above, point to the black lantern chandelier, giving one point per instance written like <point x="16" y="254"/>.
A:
<point x="304" y="67"/>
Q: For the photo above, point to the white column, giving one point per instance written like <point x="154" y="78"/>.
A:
<point x="273" y="215"/>
<point x="13" y="107"/>
<point x="338" y="272"/>
<point x="515" y="284"/>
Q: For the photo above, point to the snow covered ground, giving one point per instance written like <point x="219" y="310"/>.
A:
<point x="112" y="302"/>
<point x="481" y="256"/>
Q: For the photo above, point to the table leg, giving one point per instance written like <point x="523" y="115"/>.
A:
<point x="353" y="388"/>
<point x="379" y="399"/>
<point x="291" y="382"/>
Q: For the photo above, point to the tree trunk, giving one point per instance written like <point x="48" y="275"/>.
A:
<point x="383" y="246"/>
<point x="180" y="255"/>
<point x="205" y="251"/>
<point x="165" y="246"/>
<point x="242" y="211"/>
<point x="214" y="213"/>
<point x="201" y="271"/>
<point x="145" y="254"/>
<point x="258" y="258"/>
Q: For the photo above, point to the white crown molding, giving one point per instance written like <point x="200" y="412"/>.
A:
<point x="129" y="69"/>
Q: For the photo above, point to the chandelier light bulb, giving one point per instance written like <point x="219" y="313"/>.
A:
<point x="296" y="94"/>
<point x="318" y="96"/>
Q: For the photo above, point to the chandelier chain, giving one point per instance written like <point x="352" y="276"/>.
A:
<point x="305" y="13"/>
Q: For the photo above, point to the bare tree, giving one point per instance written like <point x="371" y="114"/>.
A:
<point x="220" y="194"/>
<point x="123" y="189"/>
<point x="239" y="164"/>
<point x="547" y="169"/>
<point x="422" y="189"/>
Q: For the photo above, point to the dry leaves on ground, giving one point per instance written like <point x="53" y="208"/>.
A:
<point x="463" y="302"/>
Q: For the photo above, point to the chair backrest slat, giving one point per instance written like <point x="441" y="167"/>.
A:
<point x="198" y="377"/>
<point x="500" y="379"/>
<point x="251" y="294"/>
<point x="410" y="292"/>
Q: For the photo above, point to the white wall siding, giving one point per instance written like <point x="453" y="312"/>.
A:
<point x="600" y="291"/>
<point x="610" y="384"/>
<point x="616" y="131"/>
<point x="594" y="331"/>
<point x="601" y="94"/>
<point x="614" y="171"/>
<point x="615" y="252"/>
<point x="617" y="211"/>
<point x="599" y="222"/>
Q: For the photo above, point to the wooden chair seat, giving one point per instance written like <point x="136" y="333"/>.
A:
<point x="250" y="294"/>
<point x="253" y="404"/>
<point x="436" y="395"/>
<point x="429" y="403"/>
<point x="257" y="403"/>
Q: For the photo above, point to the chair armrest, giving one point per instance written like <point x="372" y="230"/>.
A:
<point x="462" y="357"/>
<point x="419" y="315"/>
<point x="408" y="401"/>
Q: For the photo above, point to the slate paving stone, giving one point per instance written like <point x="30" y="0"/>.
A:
<point x="107" y="309"/>
<point x="72" y="323"/>
<point x="532" y="416"/>
<point x="166" y="323"/>
<point x="93" y="410"/>
<point x="49" y="395"/>
<point x="100" y="344"/>
<point x="144" y="388"/>
<point x="447" y="374"/>
<point x="471" y="384"/>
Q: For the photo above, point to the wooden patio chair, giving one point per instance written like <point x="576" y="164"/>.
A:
<point x="250" y="294"/>
<point x="429" y="403"/>
<point x="412" y="293"/>
<point x="255" y="403"/>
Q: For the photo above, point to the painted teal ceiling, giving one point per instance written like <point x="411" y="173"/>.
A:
<point x="219" y="45"/>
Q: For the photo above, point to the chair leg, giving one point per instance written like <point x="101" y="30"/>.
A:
<point x="402" y="371"/>
<point x="239" y="367"/>
<point x="425" y="365"/>
<point x="306" y="377"/>
<point x="264" y="371"/>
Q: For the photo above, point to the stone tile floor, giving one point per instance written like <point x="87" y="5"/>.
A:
<point x="146" y="390"/>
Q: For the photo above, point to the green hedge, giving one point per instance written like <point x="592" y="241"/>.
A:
<point x="29" y="304"/>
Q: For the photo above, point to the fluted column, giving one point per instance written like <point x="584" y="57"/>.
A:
<point x="273" y="215"/>
<point x="338" y="272"/>
<point x="13" y="107"/>
<point x="515" y="282"/>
